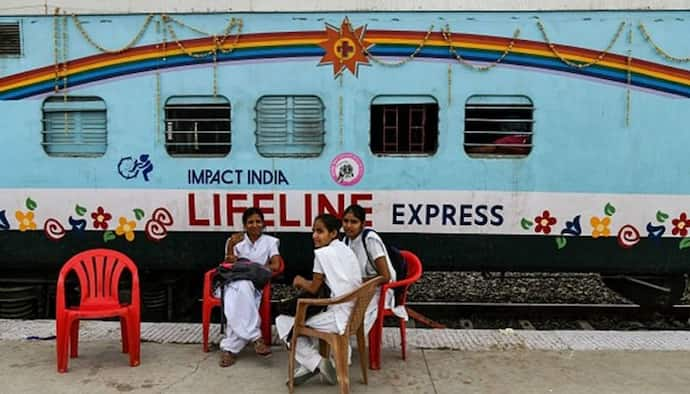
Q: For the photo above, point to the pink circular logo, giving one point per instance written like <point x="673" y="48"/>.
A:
<point x="347" y="169"/>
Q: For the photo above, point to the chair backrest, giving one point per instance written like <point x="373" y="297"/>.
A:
<point x="98" y="271"/>
<point x="363" y="296"/>
<point x="414" y="272"/>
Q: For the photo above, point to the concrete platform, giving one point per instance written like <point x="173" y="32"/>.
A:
<point x="29" y="367"/>
<point x="439" y="361"/>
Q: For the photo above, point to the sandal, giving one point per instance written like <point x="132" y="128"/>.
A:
<point x="226" y="359"/>
<point x="261" y="349"/>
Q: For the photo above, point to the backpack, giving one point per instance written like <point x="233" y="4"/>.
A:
<point x="397" y="260"/>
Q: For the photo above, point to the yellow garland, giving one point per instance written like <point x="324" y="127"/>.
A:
<point x="628" y="77"/>
<point x="451" y="48"/>
<point x="409" y="58"/>
<point x="159" y="121"/>
<point x="64" y="68"/>
<point x="215" y="71"/>
<point x="598" y="59"/>
<point x="56" y="49"/>
<point x="218" y="44"/>
<point x="165" y="38"/>
<point x="341" y="117"/>
<point x="450" y="83"/>
<point x="130" y="44"/>
<point x="660" y="50"/>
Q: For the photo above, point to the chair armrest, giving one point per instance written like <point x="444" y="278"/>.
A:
<point x="338" y="300"/>
<point x="280" y="269"/>
<point x="400" y="283"/>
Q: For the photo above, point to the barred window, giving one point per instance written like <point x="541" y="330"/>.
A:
<point x="10" y="43"/>
<point x="290" y="126"/>
<point x="498" y="126"/>
<point x="404" y="125"/>
<point x="74" y="126"/>
<point x="197" y="126"/>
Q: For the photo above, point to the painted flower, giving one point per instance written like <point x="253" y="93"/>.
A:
<point x="100" y="218"/>
<point x="26" y="220"/>
<point x="544" y="222"/>
<point x="126" y="228"/>
<point x="600" y="227"/>
<point x="680" y="225"/>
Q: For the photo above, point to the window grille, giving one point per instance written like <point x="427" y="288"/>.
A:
<point x="197" y="126"/>
<point x="10" y="43"/>
<point x="499" y="126"/>
<point x="74" y="126"/>
<point x="290" y="126"/>
<point x="404" y="125"/>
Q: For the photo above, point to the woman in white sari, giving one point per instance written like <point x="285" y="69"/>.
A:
<point x="241" y="299"/>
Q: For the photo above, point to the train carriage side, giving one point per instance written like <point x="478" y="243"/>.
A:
<point x="523" y="141"/>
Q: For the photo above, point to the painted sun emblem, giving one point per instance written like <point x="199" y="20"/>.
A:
<point x="345" y="48"/>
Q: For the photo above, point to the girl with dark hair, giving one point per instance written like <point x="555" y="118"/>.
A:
<point x="335" y="266"/>
<point x="241" y="299"/>
<point x="373" y="260"/>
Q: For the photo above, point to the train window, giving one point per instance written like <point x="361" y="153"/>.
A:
<point x="197" y="126"/>
<point x="498" y="126"/>
<point x="10" y="43"/>
<point x="404" y="125"/>
<point x="74" y="126"/>
<point x="289" y="126"/>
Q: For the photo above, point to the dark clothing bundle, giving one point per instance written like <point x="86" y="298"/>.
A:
<point x="244" y="269"/>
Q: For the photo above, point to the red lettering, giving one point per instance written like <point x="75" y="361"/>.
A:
<point x="307" y="210"/>
<point x="191" y="212"/>
<point x="282" y="206"/>
<point x="357" y="197"/>
<point x="216" y="209"/>
<point x="266" y="210"/>
<point x="231" y="208"/>
<point x="325" y="206"/>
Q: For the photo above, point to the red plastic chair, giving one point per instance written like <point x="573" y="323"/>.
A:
<point x="414" y="272"/>
<point x="209" y="301"/>
<point x="98" y="271"/>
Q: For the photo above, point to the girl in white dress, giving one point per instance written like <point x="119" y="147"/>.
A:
<point x="336" y="267"/>
<point x="240" y="299"/>
<point x="373" y="261"/>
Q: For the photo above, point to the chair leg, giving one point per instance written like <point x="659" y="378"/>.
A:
<point x="62" y="343"/>
<point x="265" y="314"/>
<point x="403" y="338"/>
<point x="134" y="340"/>
<point x="362" y="349"/>
<point x="205" y="323"/>
<point x="74" y="339"/>
<point x="124" y="329"/>
<point x="340" y="351"/>
<point x="291" y="364"/>
<point x="375" y="339"/>
<point x="324" y="349"/>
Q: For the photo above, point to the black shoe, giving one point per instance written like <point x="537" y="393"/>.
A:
<point x="302" y="374"/>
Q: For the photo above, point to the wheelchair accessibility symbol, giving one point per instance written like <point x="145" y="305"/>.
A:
<point x="129" y="168"/>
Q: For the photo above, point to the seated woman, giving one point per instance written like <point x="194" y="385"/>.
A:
<point x="241" y="299"/>
<point x="373" y="261"/>
<point x="335" y="266"/>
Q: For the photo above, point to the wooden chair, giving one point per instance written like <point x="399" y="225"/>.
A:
<point x="98" y="271"/>
<point x="414" y="272"/>
<point x="210" y="301"/>
<point x="338" y="343"/>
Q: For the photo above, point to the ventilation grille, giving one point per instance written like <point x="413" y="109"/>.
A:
<point x="9" y="39"/>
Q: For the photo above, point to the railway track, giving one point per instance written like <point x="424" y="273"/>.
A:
<point x="548" y="316"/>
